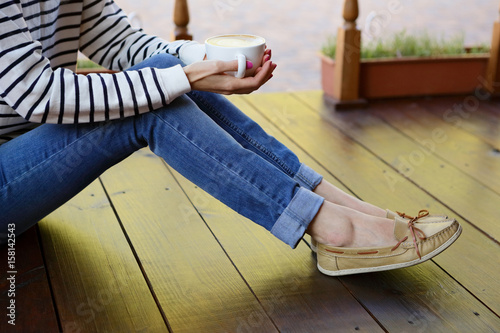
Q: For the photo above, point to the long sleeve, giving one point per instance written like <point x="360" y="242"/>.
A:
<point x="108" y="39"/>
<point x="34" y="82"/>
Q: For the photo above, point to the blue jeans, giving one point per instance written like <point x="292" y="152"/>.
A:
<point x="201" y="135"/>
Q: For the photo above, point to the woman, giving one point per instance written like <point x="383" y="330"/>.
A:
<point x="165" y="96"/>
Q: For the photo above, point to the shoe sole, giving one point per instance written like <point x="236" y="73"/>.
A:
<point x="428" y="256"/>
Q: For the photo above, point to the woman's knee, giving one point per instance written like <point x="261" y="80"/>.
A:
<point x="164" y="60"/>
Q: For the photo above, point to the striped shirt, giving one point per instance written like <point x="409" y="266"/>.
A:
<point x="39" y="44"/>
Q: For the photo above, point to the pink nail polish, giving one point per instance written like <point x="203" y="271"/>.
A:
<point x="249" y="64"/>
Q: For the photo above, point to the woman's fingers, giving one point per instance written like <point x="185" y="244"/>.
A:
<point x="200" y="70"/>
<point x="225" y="66"/>
<point x="209" y="76"/>
<point x="249" y="84"/>
<point x="267" y="56"/>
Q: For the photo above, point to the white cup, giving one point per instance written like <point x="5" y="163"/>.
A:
<point x="237" y="46"/>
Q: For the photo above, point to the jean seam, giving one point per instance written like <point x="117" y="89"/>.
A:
<point x="246" y="137"/>
<point x="49" y="158"/>
<point x="213" y="158"/>
<point x="295" y="216"/>
<point x="305" y="180"/>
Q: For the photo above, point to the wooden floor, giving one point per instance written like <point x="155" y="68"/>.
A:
<point x="144" y="250"/>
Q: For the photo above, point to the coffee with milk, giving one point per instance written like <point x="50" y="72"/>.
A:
<point x="235" y="41"/>
<point x="237" y="47"/>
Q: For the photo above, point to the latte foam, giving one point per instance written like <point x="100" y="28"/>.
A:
<point x="235" y="41"/>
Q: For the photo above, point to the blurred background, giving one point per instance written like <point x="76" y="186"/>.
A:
<point x="296" y="30"/>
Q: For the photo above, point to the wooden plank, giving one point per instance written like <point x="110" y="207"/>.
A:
<point x="465" y="151"/>
<point x="414" y="159"/>
<point x="296" y="296"/>
<point x="490" y="132"/>
<point x="195" y="283"/>
<point x="483" y="121"/>
<point x="32" y="307"/>
<point x="494" y="105"/>
<point x="342" y="156"/>
<point x="472" y="244"/>
<point x="97" y="283"/>
<point x="426" y="300"/>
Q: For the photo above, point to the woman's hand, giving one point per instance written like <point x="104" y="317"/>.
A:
<point x="209" y="75"/>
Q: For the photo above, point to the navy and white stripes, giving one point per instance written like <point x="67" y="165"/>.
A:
<point x="39" y="44"/>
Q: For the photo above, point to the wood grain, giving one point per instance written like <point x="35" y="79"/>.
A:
<point x="355" y="164"/>
<point x="482" y="122"/>
<point x="182" y="262"/>
<point x="195" y="282"/>
<point x="419" y="160"/>
<point x="98" y="285"/>
<point x="295" y="295"/>
<point x="463" y="150"/>
<point x="31" y="291"/>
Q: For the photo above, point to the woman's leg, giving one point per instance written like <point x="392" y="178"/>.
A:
<point x="44" y="168"/>
<point x="243" y="129"/>
<point x="251" y="136"/>
<point x="47" y="166"/>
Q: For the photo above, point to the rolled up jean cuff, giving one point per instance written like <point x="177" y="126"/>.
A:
<point x="307" y="177"/>
<point x="293" y="222"/>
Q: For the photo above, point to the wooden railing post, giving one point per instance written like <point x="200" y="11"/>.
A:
<point x="181" y="20"/>
<point x="493" y="69"/>
<point x="347" y="58"/>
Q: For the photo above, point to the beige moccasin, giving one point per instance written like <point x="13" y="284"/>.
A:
<point x="419" y="239"/>
<point x="391" y="216"/>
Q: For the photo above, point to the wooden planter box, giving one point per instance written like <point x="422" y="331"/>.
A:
<point x="404" y="77"/>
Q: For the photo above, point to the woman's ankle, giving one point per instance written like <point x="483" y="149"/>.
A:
<point x="335" y="195"/>
<point x="340" y="226"/>
<point x="331" y="226"/>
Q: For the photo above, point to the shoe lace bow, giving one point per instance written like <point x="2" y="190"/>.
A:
<point x="414" y="231"/>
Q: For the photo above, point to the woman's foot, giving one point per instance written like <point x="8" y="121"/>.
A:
<point x="341" y="226"/>
<point x="357" y="250"/>
<point x="334" y="195"/>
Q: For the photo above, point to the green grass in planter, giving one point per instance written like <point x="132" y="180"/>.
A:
<point x="403" y="45"/>
<point x="86" y="63"/>
<point x="330" y="47"/>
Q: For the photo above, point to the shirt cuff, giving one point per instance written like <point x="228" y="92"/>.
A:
<point x="174" y="82"/>
<point x="192" y="52"/>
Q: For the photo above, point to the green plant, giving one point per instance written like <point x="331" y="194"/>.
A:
<point x="86" y="63"/>
<point x="403" y="45"/>
<point x="330" y="47"/>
